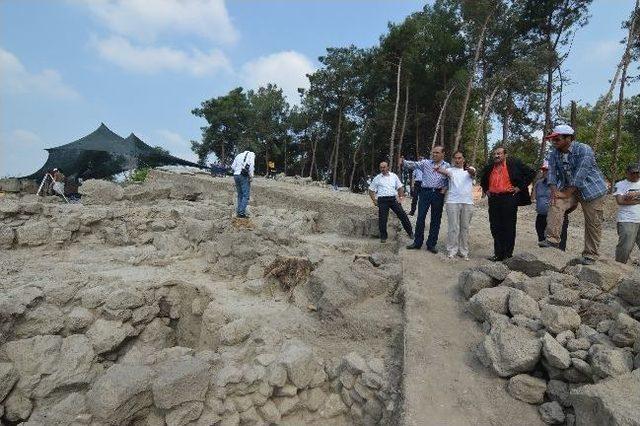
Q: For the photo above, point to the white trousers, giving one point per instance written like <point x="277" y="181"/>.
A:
<point x="458" y="217"/>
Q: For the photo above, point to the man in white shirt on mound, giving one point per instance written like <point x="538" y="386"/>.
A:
<point x="386" y="193"/>
<point x="627" y="195"/>
<point x="243" y="168"/>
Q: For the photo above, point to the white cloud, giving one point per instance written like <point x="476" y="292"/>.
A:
<point x="145" y="20"/>
<point x="175" y="144"/>
<point x="17" y="79"/>
<point x="25" y="137"/>
<point x="286" y="69"/>
<point x="606" y="51"/>
<point x="21" y="152"/>
<point x="151" y="60"/>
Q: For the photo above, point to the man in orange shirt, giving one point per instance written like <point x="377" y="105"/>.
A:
<point x="506" y="183"/>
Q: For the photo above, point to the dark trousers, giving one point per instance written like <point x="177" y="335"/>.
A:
<point x="415" y="194"/>
<point x="503" y="216"/>
<point x="433" y="199"/>
<point x="386" y="203"/>
<point x="541" y="225"/>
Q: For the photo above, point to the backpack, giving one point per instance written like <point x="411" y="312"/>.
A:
<point x="245" y="167"/>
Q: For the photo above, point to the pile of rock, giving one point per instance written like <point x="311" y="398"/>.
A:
<point x="109" y="353"/>
<point x="565" y="335"/>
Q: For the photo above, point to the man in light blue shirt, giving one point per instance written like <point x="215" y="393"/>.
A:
<point x="432" y="192"/>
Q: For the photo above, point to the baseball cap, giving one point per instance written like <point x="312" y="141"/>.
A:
<point x="562" y="129"/>
<point x="633" y="168"/>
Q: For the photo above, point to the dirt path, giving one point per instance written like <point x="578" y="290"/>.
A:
<point x="443" y="382"/>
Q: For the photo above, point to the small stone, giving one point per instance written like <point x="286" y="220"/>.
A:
<point x="235" y="332"/>
<point x="527" y="388"/>
<point x="79" y="318"/>
<point x="496" y="270"/>
<point x="269" y="412"/>
<point x="277" y="375"/>
<point x="185" y="413"/>
<point x="316" y="397"/>
<point x="495" y="299"/>
<point x="107" y="335"/>
<point x="609" y="362"/>
<point x="564" y="336"/>
<point x="354" y="363"/>
<point x="333" y="407"/>
<point x="8" y="378"/>
<point x="551" y="413"/>
<point x="625" y="330"/>
<point x="579" y="354"/>
<point x="604" y="326"/>
<point x="581" y="344"/>
<point x="472" y="281"/>
<point x="286" y="390"/>
<point x="301" y="366"/>
<point x="520" y="303"/>
<point x="17" y="407"/>
<point x="124" y="299"/>
<point x="558" y="390"/>
<point x="180" y="381"/>
<point x="286" y="404"/>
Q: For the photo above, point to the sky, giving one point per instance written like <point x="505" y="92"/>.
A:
<point x="141" y="66"/>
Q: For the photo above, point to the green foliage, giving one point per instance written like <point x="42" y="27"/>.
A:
<point x="139" y="175"/>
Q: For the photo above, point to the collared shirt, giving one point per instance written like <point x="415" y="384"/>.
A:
<point x="417" y="175"/>
<point x="578" y="168"/>
<point x="499" y="181"/>
<point x="246" y="157"/>
<point x="430" y="178"/>
<point x="385" y="186"/>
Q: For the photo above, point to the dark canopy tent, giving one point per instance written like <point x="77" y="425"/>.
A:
<point x="103" y="153"/>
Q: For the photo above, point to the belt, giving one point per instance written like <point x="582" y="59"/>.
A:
<point x="432" y="189"/>
<point x="501" y="194"/>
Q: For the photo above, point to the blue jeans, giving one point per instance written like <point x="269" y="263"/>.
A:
<point x="243" y="187"/>
<point x="435" y="200"/>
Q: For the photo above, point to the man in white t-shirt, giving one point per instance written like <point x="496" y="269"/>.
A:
<point x="386" y="193"/>
<point x="243" y="167"/>
<point x="627" y="195"/>
<point x="459" y="205"/>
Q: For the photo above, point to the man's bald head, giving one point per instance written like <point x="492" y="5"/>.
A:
<point x="384" y="167"/>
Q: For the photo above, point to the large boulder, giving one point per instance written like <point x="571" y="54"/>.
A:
<point x="34" y="233"/>
<point x="179" y="382"/>
<point x="496" y="270"/>
<point x="298" y="360"/>
<point x="97" y="191"/>
<point x="625" y="331"/>
<point x="610" y="362"/>
<point x="472" y="281"/>
<point x="605" y="274"/>
<point x="537" y="288"/>
<point x="44" y="319"/>
<point x="559" y="318"/>
<point x="520" y="303"/>
<point x="107" y="335"/>
<point x="495" y="299"/>
<point x="8" y="378"/>
<point x="527" y="388"/>
<point x="610" y="402"/>
<point x="147" y="192"/>
<point x="530" y="264"/>
<point x="629" y="290"/>
<point x="509" y="350"/>
<point x="555" y="354"/>
<point x="121" y="394"/>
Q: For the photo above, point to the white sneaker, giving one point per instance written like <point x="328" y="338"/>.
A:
<point x="465" y="257"/>
<point x="451" y="256"/>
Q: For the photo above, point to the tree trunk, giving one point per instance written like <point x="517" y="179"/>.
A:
<point x="337" y="147"/>
<point x="417" y="131"/>
<point x="574" y="115"/>
<point x="404" y="123"/>
<point x="625" y="58"/>
<point x="480" y="131"/>
<point x="395" y="116"/>
<point x="547" y="114"/>
<point x="472" y="73"/>
<point x="440" y="121"/>
<point x="616" y="143"/>
<point x="285" y="156"/>
<point x="506" y="117"/>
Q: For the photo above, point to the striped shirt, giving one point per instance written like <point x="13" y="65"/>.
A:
<point x="430" y="178"/>
<point x="578" y="168"/>
<point x="417" y="175"/>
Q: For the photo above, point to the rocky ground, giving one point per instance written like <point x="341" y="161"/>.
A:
<point x="150" y="304"/>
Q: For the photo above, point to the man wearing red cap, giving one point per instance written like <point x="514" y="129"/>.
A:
<point x="574" y="177"/>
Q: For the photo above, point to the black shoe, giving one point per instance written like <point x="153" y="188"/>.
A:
<point x="383" y="240"/>
<point x="243" y="216"/>
<point x="495" y="258"/>
<point x="412" y="213"/>
<point x="432" y="250"/>
<point x="413" y="247"/>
